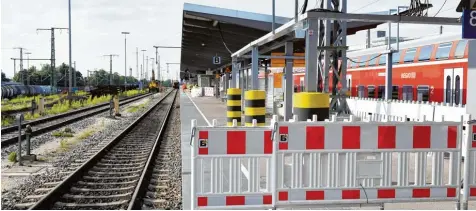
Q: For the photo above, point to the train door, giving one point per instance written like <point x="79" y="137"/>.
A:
<point x="349" y="84"/>
<point x="301" y="82"/>
<point x="453" y="84"/>
<point x="360" y="91"/>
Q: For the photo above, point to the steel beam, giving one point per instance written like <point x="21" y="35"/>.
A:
<point x="291" y="57"/>
<point x="234" y="69"/>
<point x="310" y="81"/>
<point x="382" y="18"/>
<point x="279" y="32"/>
<point x="289" y="88"/>
<point x="471" y="93"/>
<point x="254" y="69"/>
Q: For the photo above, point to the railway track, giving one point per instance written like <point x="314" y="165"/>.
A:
<point x="118" y="175"/>
<point x="43" y="125"/>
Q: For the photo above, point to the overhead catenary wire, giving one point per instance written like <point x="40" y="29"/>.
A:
<point x="440" y="8"/>
<point x="365" y="61"/>
<point x="222" y="39"/>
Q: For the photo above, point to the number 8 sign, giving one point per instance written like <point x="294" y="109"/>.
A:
<point x="469" y="24"/>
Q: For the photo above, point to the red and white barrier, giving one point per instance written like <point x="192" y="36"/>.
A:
<point x="218" y="156"/>
<point x="469" y="174"/>
<point x="309" y="164"/>
<point x="209" y="91"/>
<point x="350" y="162"/>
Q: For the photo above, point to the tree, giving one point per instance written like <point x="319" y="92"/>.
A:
<point x="4" y="78"/>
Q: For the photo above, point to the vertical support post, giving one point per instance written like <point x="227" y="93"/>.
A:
<point x="254" y="69"/>
<point x="14" y="67"/>
<point x="471" y="87"/>
<point x="388" y="77"/>
<point x="21" y="65"/>
<point x="234" y="68"/>
<point x="110" y="69"/>
<point x="70" y="50"/>
<point x="274" y="16"/>
<point x="367" y="44"/>
<point x="266" y="77"/>
<point x="244" y="85"/>
<point x="310" y="81"/>
<point x="53" y="68"/>
<point x="28" y="132"/>
<point x="19" y="122"/>
<point x="288" y="92"/>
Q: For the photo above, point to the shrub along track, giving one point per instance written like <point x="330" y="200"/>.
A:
<point x="10" y="134"/>
<point x="113" y="177"/>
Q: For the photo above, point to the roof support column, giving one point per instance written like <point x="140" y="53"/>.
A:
<point x="471" y="93"/>
<point x="388" y="77"/>
<point x="310" y="82"/>
<point x="288" y="92"/>
<point x="234" y="71"/>
<point x="254" y="69"/>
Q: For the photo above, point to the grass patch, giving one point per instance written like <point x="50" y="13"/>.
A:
<point x="135" y="108"/>
<point x="12" y="157"/>
<point x="64" y="145"/>
<point x="7" y="121"/>
<point x="67" y="132"/>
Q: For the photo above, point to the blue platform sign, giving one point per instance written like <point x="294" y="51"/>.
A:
<point x="469" y="24"/>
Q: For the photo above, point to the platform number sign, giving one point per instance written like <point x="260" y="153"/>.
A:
<point x="203" y="143"/>
<point x="216" y="60"/>
<point x="283" y="137"/>
<point x="469" y="24"/>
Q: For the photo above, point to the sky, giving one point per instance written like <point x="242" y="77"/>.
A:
<point x="97" y="26"/>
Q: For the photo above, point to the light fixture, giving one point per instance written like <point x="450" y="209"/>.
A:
<point x="203" y="44"/>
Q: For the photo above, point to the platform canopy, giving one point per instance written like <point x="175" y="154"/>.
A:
<point x="210" y="31"/>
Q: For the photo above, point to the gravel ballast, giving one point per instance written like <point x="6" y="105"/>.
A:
<point x="62" y="161"/>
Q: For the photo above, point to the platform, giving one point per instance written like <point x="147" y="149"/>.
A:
<point x="212" y="108"/>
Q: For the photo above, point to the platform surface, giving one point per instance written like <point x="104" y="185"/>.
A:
<point x="212" y="108"/>
<point x="188" y="111"/>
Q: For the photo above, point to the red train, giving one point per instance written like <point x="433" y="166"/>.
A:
<point x="431" y="69"/>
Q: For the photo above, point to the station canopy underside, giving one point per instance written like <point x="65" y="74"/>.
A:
<point x="206" y="30"/>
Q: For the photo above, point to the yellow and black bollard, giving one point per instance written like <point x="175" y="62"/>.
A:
<point x="255" y="107"/>
<point x="307" y="104"/>
<point x="233" y="104"/>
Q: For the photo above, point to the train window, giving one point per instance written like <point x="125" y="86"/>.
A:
<point x="425" y="53"/>
<point x="381" y="92"/>
<point x="395" y="92"/>
<point x="423" y="93"/>
<point x="373" y="62"/>
<point x="371" y="91"/>
<point x="383" y="59"/>
<point x="396" y="58"/>
<point x="295" y="88"/>
<point x="360" y="91"/>
<point x="460" y="48"/>
<point x="362" y="61"/>
<point x="443" y="51"/>
<point x="407" y="92"/>
<point x="409" y="55"/>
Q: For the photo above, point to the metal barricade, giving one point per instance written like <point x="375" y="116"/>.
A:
<point x="364" y="163"/>
<point x="469" y="168"/>
<point x="219" y="155"/>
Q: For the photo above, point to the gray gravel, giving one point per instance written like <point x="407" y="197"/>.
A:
<point x="62" y="161"/>
<point x="171" y="138"/>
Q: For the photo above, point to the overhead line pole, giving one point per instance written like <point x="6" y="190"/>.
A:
<point x="110" y="67"/>
<point x="125" y="58"/>
<point x="53" y="60"/>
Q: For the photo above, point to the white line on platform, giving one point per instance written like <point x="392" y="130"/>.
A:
<point x="199" y="111"/>
<point x="243" y="168"/>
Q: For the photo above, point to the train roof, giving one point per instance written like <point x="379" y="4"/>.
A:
<point x="408" y="44"/>
<point x="6" y="83"/>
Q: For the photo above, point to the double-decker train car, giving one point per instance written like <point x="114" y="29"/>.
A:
<point x="431" y="69"/>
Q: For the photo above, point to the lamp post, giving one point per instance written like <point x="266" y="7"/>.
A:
<point x="70" y="54"/>
<point x="125" y="58"/>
